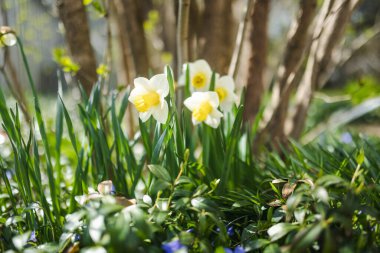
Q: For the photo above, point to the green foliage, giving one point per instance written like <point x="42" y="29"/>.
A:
<point x="362" y="89"/>
<point x="199" y="187"/>
<point x="61" y="57"/>
<point x="98" y="6"/>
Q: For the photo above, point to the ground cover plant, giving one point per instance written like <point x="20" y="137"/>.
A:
<point x="188" y="181"/>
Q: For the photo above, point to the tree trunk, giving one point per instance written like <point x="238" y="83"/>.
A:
<point x="74" y="19"/>
<point x="329" y="31"/>
<point x="133" y="19"/>
<point x="257" y="63"/>
<point x="124" y="58"/>
<point x="298" y="42"/>
<point x="218" y="34"/>
<point x="168" y="13"/>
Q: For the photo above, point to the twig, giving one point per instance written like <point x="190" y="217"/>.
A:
<point x="182" y="42"/>
<point x="17" y="91"/>
<point x="235" y="60"/>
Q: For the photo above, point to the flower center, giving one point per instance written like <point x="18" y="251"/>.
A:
<point x="222" y="93"/>
<point x="199" y="80"/>
<point x="144" y="102"/>
<point x="201" y="113"/>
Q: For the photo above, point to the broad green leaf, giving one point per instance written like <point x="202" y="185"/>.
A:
<point x="306" y="237"/>
<point x="328" y="180"/>
<point x="280" y="230"/>
<point x="160" y="172"/>
<point x="256" y="244"/>
<point x="204" y="204"/>
<point x="272" y="248"/>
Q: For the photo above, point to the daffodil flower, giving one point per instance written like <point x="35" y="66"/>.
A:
<point x="200" y="75"/>
<point x="7" y="36"/>
<point x="148" y="97"/>
<point x="204" y="107"/>
<point x="224" y="87"/>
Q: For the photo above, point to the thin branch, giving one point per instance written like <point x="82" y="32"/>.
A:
<point x="183" y="33"/>
<point x="298" y="42"/>
<point x="320" y="65"/>
<point x="235" y="60"/>
<point x="182" y="42"/>
<point x="16" y="89"/>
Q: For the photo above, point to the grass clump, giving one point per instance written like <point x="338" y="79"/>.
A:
<point x="190" y="189"/>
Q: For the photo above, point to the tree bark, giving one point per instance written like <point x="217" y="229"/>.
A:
<point x="74" y="19"/>
<point x="183" y="34"/>
<point x="258" y="60"/>
<point x="182" y="43"/>
<point x="235" y="59"/>
<point x="168" y="14"/>
<point x="136" y="36"/>
<point x="218" y="34"/>
<point x="298" y="42"/>
<point x="329" y="31"/>
<point x="118" y="15"/>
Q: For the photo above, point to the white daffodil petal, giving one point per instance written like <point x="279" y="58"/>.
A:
<point x="192" y="102"/>
<point x="160" y="83"/>
<point x="201" y="65"/>
<point x="195" y="122"/>
<point x="137" y="91"/>
<point x="226" y="82"/>
<point x="235" y="98"/>
<point x="216" y="114"/>
<point x="160" y="113"/>
<point x="212" y="122"/>
<point x="226" y="105"/>
<point x="213" y="98"/>
<point x="141" y="81"/>
<point x="144" y="116"/>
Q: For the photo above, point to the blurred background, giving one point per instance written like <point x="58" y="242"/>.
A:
<point x="130" y="38"/>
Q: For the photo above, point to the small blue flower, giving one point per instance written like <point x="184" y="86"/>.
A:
<point x="9" y="174"/>
<point x="227" y="250"/>
<point x="239" y="249"/>
<point x="75" y="238"/>
<point x="113" y="190"/>
<point x="32" y="237"/>
<point x="230" y="231"/>
<point x="346" y="138"/>
<point x="172" y="246"/>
